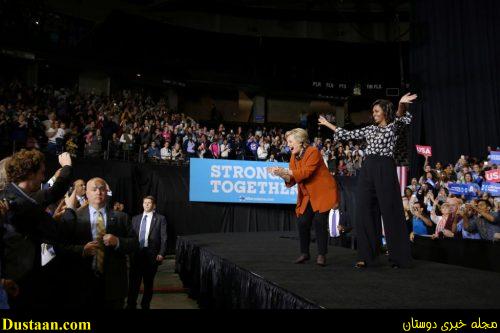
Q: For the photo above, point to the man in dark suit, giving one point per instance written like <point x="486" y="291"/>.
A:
<point x="101" y="240"/>
<point x="151" y="231"/>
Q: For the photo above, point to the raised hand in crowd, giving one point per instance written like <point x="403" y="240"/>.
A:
<point x="71" y="201"/>
<point x="84" y="205"/>
<point x="59" y="211"/>
<point x="65" y="159"/>
<point x="481" y="209"/>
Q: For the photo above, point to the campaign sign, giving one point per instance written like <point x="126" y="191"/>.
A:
<point x="461" y="189"/>
<point x="213" y="180"/>
<point x="494" y="157"/>
<point x="493" y="176"/>
<point x="424" y="150"/>
<point x="491" y="188"/>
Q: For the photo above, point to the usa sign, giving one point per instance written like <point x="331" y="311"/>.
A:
<point x="493" y="176"/>
<point x="424" y="150"/>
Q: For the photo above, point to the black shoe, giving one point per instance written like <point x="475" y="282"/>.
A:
<point x="321" y="260"/>
<point x="360" y="264"/>
<point x="131" y="307"/>
<point x="302" y="259"/>
<point x="145" y="307"/>
<point x="395" y="266"/>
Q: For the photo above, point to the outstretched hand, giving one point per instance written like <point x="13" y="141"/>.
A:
<point x="322" y="121"/>
<point x="408" y="98"/>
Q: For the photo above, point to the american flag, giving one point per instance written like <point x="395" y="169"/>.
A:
<point x="403" y="178"/>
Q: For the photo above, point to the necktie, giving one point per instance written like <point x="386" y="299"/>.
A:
<point x="101" y="231"/>
<point x="142" y="232"/>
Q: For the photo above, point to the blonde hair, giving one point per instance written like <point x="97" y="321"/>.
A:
<point x="3" y="173"/>
<point x="299" y="134"/>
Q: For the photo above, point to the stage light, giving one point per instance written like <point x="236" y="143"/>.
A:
<point x="138" y="75"/>
<point x="37" y="22"/>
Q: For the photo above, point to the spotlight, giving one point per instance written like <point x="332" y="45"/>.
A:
<point x="138" y="75"/>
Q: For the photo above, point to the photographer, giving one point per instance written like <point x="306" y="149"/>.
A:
<point x="457" y="208"/>
<point x="421" y="222"/>
<point x="27" y="224"/>
<point x="442" y="217"/>
<point x="482" y="219"/>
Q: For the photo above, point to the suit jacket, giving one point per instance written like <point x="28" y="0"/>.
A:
<point x="315" y="184"/>
<point x="157" y="239"/>
<point x="27" y="226"/>
<point x="115" y="262"/>
<point x="57" y="191"/>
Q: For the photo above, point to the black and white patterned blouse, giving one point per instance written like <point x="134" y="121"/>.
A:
<point x="380" y="141"/>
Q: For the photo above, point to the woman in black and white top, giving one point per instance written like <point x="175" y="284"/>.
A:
<point x="378" y="185"/>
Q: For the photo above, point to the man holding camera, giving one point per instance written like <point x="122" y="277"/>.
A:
<point x="480" y="218"/>
<point x="27" y="224"/>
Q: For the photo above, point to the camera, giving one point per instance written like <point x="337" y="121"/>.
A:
<point x="11" y="203"/>
<point x="70" y="191"/>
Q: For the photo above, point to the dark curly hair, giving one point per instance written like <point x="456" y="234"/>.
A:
<point x="24" y="164"/>
<point x="388" y="109"/>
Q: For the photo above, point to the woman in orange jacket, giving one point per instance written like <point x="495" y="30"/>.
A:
<point x="317" y="192"/>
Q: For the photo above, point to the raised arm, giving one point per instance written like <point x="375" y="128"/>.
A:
<point x="342" y="134"/>
<point x="402" y="107"/>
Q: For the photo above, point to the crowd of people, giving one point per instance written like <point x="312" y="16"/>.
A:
<point x="42" y="224"/>
<point x="431" y="210"/>
<point x="135" y="127"/>
<point x="65" y="244"/>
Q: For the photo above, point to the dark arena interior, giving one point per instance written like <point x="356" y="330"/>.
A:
<point x="337" y="155"/>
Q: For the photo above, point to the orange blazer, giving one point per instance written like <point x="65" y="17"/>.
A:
<point x="315" y="183"/>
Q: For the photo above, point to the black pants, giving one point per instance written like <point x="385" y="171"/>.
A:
<point x="378" y="193"/>
<point x="143" y="268"/>
<point x="305" y="222"/>
<point x="96" y="295"/>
